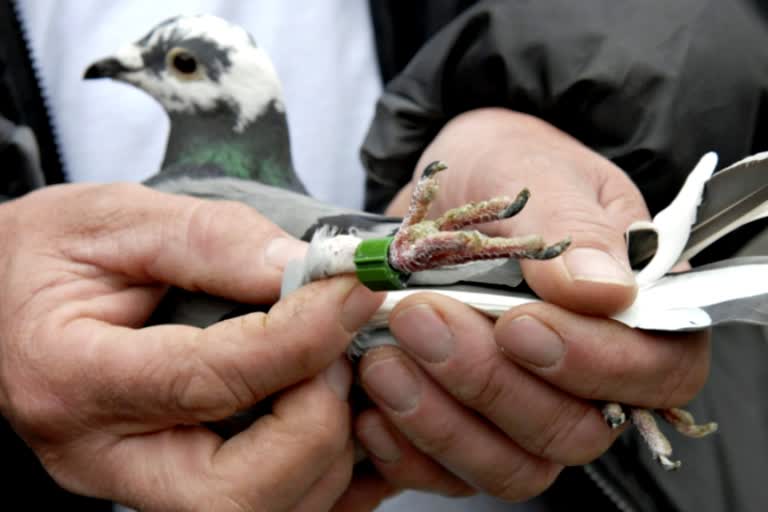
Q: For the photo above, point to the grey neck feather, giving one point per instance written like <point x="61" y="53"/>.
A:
<point x="208" y="140"/>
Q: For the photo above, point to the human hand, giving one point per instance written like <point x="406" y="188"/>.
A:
<point x="469" y="405"/>
<point x="113" y="409"/>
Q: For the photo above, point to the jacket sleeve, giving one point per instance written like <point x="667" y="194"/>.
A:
<point x="25" y="126"/>
<point x="650" y="84"/>
<point x="20" y="157"/>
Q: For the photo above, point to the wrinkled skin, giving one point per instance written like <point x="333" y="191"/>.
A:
<point x="103" y="402"/>
<point x="470" y="405"/>
<point x="112" y="409"/>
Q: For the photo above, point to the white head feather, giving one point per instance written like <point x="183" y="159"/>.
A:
<point x="247" y="81"/>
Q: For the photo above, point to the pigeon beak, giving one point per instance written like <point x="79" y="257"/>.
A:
<point x="105" y="68"/>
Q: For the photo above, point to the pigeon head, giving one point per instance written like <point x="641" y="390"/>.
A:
<point x="221" y="92"/>
<point x="198" y="64"/>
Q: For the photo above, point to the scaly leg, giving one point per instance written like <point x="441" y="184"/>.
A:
<point x="654" y="438"/>
<point x="498" y="208"/>
<point x="426" y="244"/>
<point x="423" y="194"/>
<point x="684" y="423"/>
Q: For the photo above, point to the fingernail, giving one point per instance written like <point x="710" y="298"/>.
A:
<point x="357" y="308"/>
<point x="585" y="264"/>
<point x="379" y="442"/>
<point x="421" y="331"/>
<point x="530" y="341"/>
<point x="282" y="250"/>
<point x="338" y="376"/>
<point x="392" y="383"/>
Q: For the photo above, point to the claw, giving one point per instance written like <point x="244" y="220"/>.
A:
<point x="684" y="422"/>
<point x="423" y="195"/>
<point x="432" y="169"/>
<point x="498" y="208"/>
<point x="656" y="441"/>
<point x="614" y="415"/>
<point x="516" y="205"/>
<point x="547" y="253"/>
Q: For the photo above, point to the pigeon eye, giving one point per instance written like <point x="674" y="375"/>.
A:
<point x="183" y="63"/>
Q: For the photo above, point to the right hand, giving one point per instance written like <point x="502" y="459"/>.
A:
<point x="113" y="409"/>
<point x="465" y="403"/>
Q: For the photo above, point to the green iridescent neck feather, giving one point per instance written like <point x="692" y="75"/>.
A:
<point x="260" y="152"/>
<point x="235" y="160"/>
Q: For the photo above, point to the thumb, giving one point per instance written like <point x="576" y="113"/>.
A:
<point x="219" y="247"/>
<point x="575" y="193"/>
<point x="593" y="275"/>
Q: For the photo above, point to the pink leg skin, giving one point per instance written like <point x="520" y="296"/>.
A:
<point x="427" y="244"/>
<point x="657" y="442"/>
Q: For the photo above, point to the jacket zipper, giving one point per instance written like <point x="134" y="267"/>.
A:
<point x="607" y="489"/>
<point x="46" y="103"/>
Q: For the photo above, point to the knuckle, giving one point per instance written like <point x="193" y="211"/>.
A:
<point x="683" y="381"/>
<point x="201" y="232"/>
<point x="482" y="389"/>
<point x="199" y="388"/>
<point x="189" y="396"/>
<point x="247" y="380"/>
<point x="265" y="364"/>
<point x="109" y="208"/>
<point x="207" y="222"/>
<point x="34" y="413"/>
<point x="445" y="484"/>
<point x="584" y="224"/>
<point x="549" y="438"/>
<point x="516" y="487"/>
<point x="455" y="488"/>
<point x="34" y="401"/>
<point x="340" y="474"/>
<point x="326" y="433"/>
<point x="236" y="376"/>
<point x="559" y="440"/>
<point x="438" y="442"/>
<point x="617" y="365"/>
<point x="232" y="503"/>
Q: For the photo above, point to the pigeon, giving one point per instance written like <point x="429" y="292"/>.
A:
<point x="222" y="95"/>
<point x="229" y="136"/>
<point x="229" y="140"/>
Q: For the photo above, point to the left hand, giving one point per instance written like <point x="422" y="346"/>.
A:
<point x="114" y="410"/>
<point x="468" y="405"/>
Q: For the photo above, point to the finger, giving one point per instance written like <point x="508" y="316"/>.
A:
<point x="221" y="247"/>
<point x="324" y="494"/>
<point x="446" y="431"/>
<point x="271" y="465"/>
<point x="366" y="492"/>
<point x="400" y="463"/>
<point x="455" y="345"/>
<point x="593" y="275"/>
<point x="605" y="360"/>
<point x="307" y="433"/>
<point x="181" y="374"/>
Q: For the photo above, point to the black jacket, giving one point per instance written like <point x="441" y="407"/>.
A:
<point x="650" y="84"/>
